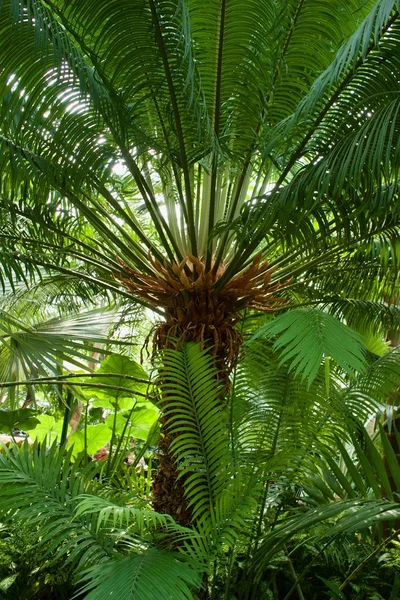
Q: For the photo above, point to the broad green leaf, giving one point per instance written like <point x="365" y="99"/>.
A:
<point x="118" y="366"/>
<point x="143" y="418"/>
<point x="117" y="422"/>
<point x="96" y="402"/>
<point x="97" y="436"/>
<point x="47" y="428"/>
<point x="141" y="421"/>
<point x="23" y="418"/>
<point x="108" y="403"/>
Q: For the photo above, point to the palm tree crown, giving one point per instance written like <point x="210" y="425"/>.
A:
<point x="266" y="126"/>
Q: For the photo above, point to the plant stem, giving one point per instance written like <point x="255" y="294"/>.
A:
<point x="228" y="578"/>
<point x="214" y="589"/>
<point x="119" y="444"/>
<point x="67" y="416"/>
<point x="308" y="567"/>
<point x="366" y="559"/>
<point x="295" y="578"/>
<point x="106" y="386"/>
<point x="112" y="441"/>
<point x="275" y="587"/>
<point x="85" y="430"/>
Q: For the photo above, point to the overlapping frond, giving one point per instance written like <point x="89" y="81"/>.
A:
<point x="276" y="418"/>
<point x="40" y="486"/>
<point x="74" y="524"/>
<point x="183" y="96"/>
<point x="192" y="402"/>
<point x="41" y="346"/>
<point x="142" y="577"/>
<point x="358" y="470"/>
<point x="306" y="337"/>
<point x="352" y="515"/>
<point x="379" y="382"/>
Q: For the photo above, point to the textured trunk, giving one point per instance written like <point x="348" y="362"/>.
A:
<point x="168" y="487"/>
<point x="196" y="310"/>
<point x="394" y="338"/>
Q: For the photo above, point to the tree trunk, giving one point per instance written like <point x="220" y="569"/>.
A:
<point x="196" y="310"/>
<point x="394" y="337"/>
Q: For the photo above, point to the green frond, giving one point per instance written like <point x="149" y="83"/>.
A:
<point x="275" y="417"/>
<point x="299" y="65"/>
<point x="307" y="337"/>
<point x="234" y="509"/>
<point x="152" y="574"/>
<point x="184" y="103"/>
<point x="39" y="486"/>
<point x="355" y="146"/>
<point x="366" y="315"/>
<point x="41" y="347"/>
<point x="354" y="51"/>
<point x="352" y="516"/>
<point x="359" y="470"/>
<point x="141" y="520"/>
<point x="368" y="272"/>
<point x="191" y="400"/>
<point x="378" y="382"/>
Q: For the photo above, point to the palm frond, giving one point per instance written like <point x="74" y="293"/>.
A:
<point x="40" y="486"/>
<point x="365" y="314"/>
<point x="42" y="347"/>
<point x="306" y="337"/>
<point x="352" y="515"/>
<point x="140" y="520"/>
<point x="379" y="382"/>
<point x="191" y="399"/>
<point x="355" y="50"/>
<point x="153" y="573"/>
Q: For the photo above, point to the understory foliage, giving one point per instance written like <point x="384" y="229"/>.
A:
<point x="279" y="471"/>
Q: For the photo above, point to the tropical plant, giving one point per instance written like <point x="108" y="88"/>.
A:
<point x="209" y="160"/>
<point x="24" y="573"/>
<point x="286" y="457"/>
<point x="52" y="495"/>
<point x="202" y="159"/>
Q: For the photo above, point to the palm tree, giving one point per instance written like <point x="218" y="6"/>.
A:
<point x="202" y="159"/>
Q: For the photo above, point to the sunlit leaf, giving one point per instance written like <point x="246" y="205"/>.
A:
<point x="47" y="428"/>
<point x="97" y="436"/>
<point x="119" y="366"/>
<point x="304" y="338"/>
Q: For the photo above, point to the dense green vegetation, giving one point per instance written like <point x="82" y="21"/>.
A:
<point x="199" y="311"/>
